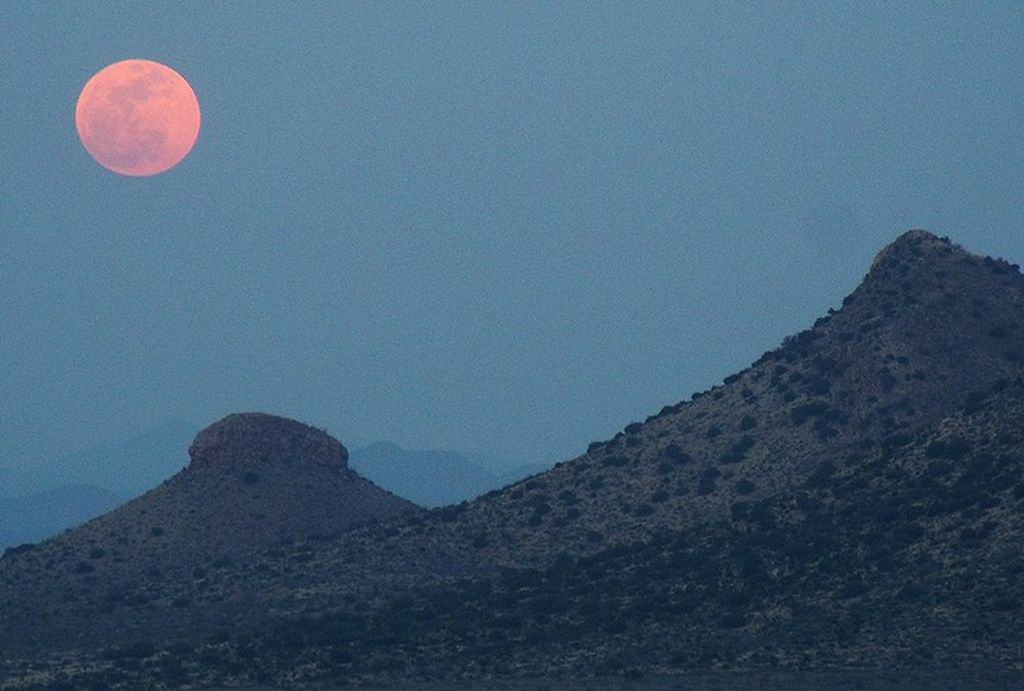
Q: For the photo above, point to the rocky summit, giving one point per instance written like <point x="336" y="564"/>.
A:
<point x="246" y="439"/>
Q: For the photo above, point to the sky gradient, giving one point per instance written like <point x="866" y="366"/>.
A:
<point x="498" y="228"/>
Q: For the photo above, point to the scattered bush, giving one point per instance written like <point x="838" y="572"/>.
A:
<point x="738" y="450"/>
<point x="822" y="475"/>
<point x="706" y="484"/>
<point x="674" y="452"/>
<point x="19" y="549"/>
<point x="744" y="487"/>
<point x="643" y="510"/>
<point x="567" y="497"/>
<point x="82" y="568"/>
<point x="804" y="412"/>
<point x="911" y="592"/>
<point x="615" y="461"/>
<point x="952" y="448"/>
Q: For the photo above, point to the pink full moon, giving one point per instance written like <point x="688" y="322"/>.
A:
<point x="137" y="117"/>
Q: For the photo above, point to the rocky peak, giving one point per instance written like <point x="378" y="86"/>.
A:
<point x="914" y="245"/>
<point x="919" y="266"/>
<point x="245" y="438"/>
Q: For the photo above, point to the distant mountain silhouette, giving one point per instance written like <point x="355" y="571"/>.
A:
<point x="128" y="467"/>
<point x="427" y="478"/>
<point x="853" y="498"/>
<point x="37" y="516"/>
<point x="432" y="478"/>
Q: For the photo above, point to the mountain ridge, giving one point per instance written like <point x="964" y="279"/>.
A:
<point x="928" y="328"/>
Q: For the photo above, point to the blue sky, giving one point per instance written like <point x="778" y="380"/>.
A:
<point x="507" y="228"/>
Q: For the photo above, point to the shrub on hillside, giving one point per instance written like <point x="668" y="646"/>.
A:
<point x="744" y="487"/>
<point x="676" y="453"/>
<point x="19" y="549"/>
<point x="737" y="452"/>
<point x="643" y="510"/>
<point x="952" y="448"/>
<point x="707" y="482"/>
<point x="615" y="461"/>
<point x="82" y="568"/>
<point x="822" y="475"/>
<point x="567" y="497"/>
<point x="805" y="411"/>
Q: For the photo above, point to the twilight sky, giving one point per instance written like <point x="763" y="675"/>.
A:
<point x="507" y="228"/>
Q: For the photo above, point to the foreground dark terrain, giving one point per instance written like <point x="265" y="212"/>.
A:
<point x="850" y="503"/>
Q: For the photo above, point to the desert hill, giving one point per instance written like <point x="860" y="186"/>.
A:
<point x="929" y="325"/>
<point x="907" y="557"/>
<point x="255" y="482"/>
<point x="844" y="464"/>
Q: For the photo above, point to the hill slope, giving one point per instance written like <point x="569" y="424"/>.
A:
<point x="909" y="556"/>
<point x="657" y="512"/>
<point x="929" y="325"/>
<point x="255" y="483"/>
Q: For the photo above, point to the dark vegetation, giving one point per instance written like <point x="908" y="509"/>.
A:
<point x="852" y="556"/>
<point x="853" y="499"/>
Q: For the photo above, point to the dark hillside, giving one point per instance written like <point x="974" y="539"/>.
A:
<point x="816" y="496"/>
<point x="929" y="325"/>
<point x="256" y="483"/>
<point x="911" y="556"/>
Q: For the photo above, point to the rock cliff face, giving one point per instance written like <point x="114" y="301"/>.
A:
<point x="250" y="438"/>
